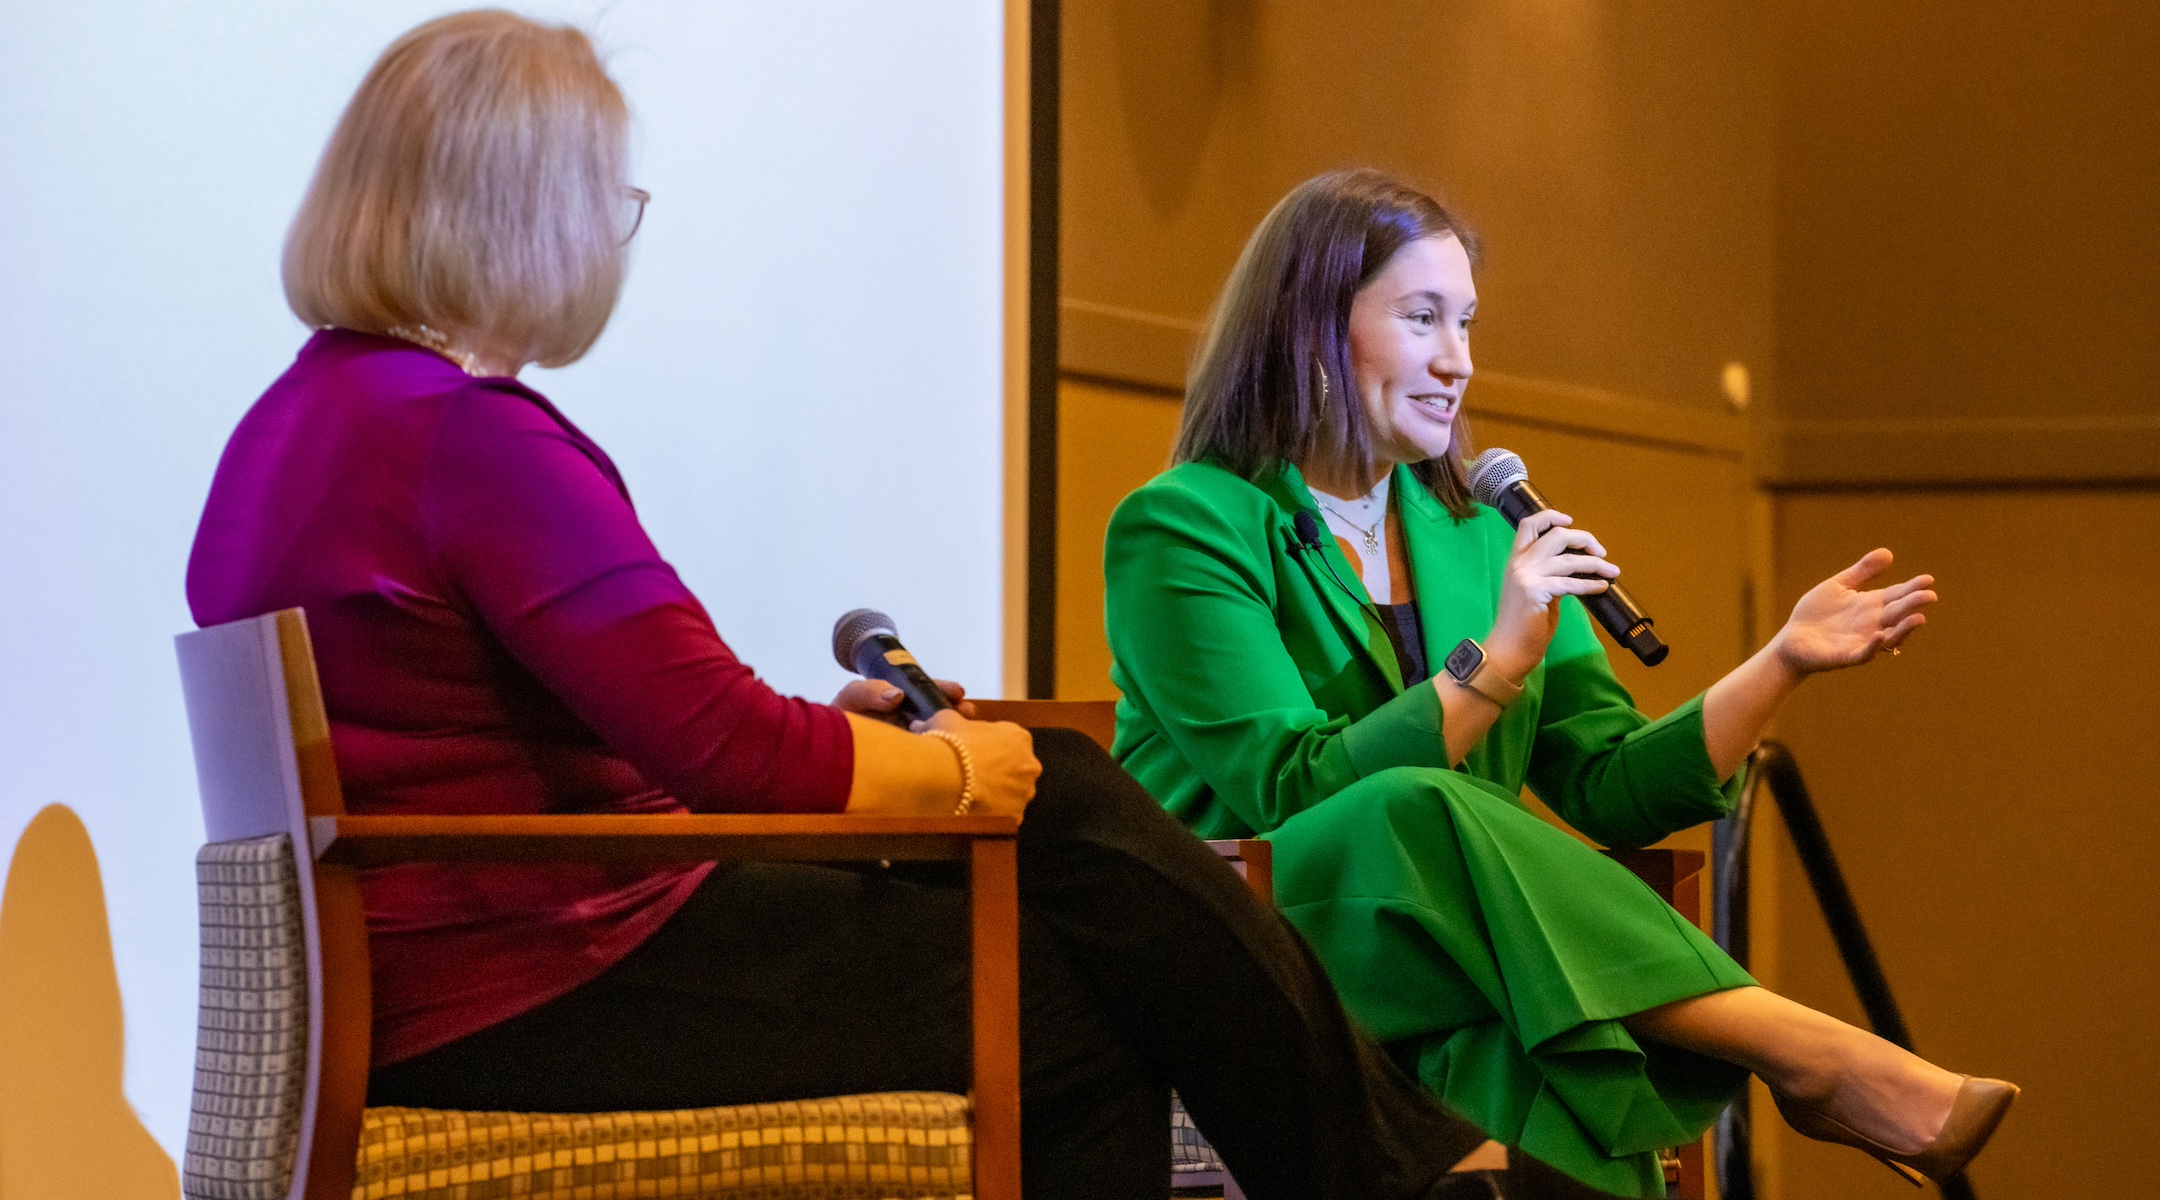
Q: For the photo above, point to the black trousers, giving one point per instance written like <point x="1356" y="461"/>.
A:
<point x="1145" y="964"/>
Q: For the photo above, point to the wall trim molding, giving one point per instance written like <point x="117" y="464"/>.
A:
<point x="1125" y="345"/>
<point x="1575" y="408"/>
<point x="1961" y="452"/>
<point x="1148" y="351"/>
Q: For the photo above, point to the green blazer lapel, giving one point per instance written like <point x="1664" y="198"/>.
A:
<point x="1345" y="590"/>
<point x="1450" y="572"/>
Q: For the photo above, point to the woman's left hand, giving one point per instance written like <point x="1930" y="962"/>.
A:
<point x="1838" y="624"/>
<point x="877" y="698"/>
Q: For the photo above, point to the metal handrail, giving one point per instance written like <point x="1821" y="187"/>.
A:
<point x="1772" y="766"/>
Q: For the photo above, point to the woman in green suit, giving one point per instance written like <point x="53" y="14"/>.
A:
<point x="1286" y="683"/>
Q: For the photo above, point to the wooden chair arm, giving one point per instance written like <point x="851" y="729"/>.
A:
<point x="370" y="841"/>
<point x="1253" y="859"/>
<point x="1671" y="874"/>
<point x="1675" y="875"/>
<point x="1095" y="718"/>
<point x="986" y="843"/>
<point x="1663" y="870"/>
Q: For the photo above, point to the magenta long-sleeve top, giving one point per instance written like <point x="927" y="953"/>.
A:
<point x="495" y="634"/>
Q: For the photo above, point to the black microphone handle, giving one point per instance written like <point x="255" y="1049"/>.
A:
<point x="1614" y="608"/>
<point x="881" y="656"/>
<point x="1624" y="620"/>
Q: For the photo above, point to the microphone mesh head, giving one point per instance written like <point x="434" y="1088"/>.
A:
<point x="1491" y="473"/>
<point x="852" y="627"/>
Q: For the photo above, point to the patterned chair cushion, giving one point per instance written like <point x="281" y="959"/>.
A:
<point x="251" y="1024"/>
<point x="1189" y="1152"/>
<point x="251" y="1067"/>
<point x="873" y="1147"/>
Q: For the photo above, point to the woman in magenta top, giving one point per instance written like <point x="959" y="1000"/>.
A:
<point x="496" y="634"/>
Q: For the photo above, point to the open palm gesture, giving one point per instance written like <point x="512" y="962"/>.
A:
<point x="1840" y="624"/>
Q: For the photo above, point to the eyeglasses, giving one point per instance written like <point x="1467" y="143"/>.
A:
<point x="641" y="198"/>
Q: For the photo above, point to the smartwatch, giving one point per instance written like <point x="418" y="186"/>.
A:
<point x="1466" y="666"/>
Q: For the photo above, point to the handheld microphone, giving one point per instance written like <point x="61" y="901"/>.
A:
<point x="865" y="642"/>
<point x="1499" y="478"/>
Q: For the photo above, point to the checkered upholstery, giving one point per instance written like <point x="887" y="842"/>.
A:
<point x="251" y="1031"/>
<point x="899" y="1144"/>
<point x="1189" y="1152"/>
<point x="251" y="1066"/>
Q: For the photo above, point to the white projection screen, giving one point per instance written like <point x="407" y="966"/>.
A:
<point x="802" y="383"/>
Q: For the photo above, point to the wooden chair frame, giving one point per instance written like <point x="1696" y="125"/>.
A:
<point x="263" y="758"/>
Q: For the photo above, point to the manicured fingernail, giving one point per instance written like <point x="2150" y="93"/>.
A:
<point x="891" y="693"/>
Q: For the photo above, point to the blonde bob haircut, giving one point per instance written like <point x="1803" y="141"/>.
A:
<point x="475" y="185"/>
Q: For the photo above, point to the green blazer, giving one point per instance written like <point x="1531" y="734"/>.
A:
<point x="1255" y="686"/>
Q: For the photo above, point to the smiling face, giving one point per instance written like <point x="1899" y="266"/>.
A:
<point x="1410" y="349"/>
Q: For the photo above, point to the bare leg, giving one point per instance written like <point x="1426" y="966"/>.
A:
<point x="1872" y="1086"/>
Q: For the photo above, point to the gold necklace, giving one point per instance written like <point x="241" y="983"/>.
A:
<point x="428" y="338"/>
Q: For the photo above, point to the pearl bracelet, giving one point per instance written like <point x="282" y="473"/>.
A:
<point x="967" y="768"/>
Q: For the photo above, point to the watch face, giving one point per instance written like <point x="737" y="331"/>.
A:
<point x="1464" y="660"/>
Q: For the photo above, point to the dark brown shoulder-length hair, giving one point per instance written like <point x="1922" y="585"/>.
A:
<point x="1272" y="381"/>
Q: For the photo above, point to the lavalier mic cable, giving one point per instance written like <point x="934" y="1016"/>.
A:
<point x="1307" y="527"/>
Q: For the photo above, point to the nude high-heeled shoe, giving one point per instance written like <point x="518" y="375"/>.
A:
<point x="1974" y="1114"/>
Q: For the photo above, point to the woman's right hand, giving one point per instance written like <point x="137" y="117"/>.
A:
<point x="1549" y="552"/>
<point x="1004" y="755"/>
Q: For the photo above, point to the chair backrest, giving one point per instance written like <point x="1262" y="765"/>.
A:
<point x="264" y="766"/>
<point x="1095" y="718"/>
<point x="262" y="741"/>
<point x="273" y="1120"/>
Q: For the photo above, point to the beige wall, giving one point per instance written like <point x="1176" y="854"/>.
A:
<point x="1990" y="796"/>
<point x="1114" y="438"/>
<point x="1929" y="233"/>
<point x="1619" y="171"/>
<point x="1968" y="291"/>
<point x="1968" y="248"/>
<point x="1618" y="164"/>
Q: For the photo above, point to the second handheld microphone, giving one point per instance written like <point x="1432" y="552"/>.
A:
<point x="866" y="643"/>
<point x="1499" y="478"/>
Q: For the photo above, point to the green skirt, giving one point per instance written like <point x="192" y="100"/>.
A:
<point x="1495" y="954"/>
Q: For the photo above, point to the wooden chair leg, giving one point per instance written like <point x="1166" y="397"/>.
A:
<point x="1690" y="1185"/>
<point x="1676" y="876"/>
<point x="331" y="1132"/>
<point x="994" y="902"/>
<point x="1254" y="859"/>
